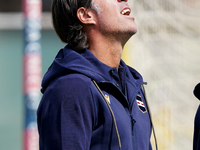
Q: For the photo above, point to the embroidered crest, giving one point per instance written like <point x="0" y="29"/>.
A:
<point x="140" y="104"/>
<point x="107" y="98"/>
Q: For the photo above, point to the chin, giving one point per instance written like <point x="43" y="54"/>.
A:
<point x="134" y="29"/>
<point x="127" y="36"/>
<point x="132" y="32"/>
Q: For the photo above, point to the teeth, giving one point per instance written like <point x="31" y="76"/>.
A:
<point x="125" y="11"/>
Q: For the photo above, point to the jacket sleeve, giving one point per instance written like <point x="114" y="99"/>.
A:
<point x="66" y="114"/>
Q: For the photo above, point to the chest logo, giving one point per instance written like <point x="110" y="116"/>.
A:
<point x="107" y="98"/>
<point x="140" y="104"/>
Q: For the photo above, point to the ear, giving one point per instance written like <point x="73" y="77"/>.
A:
<point x="86" y="16"/>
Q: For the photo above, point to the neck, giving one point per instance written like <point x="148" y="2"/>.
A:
<point x="106" y="50"/>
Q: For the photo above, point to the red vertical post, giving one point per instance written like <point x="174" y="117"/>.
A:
<point x="32" y="10"/>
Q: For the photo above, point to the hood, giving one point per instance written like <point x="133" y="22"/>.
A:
<point x="69" y="61"/>
<point x="84" y="62"/>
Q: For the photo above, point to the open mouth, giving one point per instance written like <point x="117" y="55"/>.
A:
<point x="126" y="11"/>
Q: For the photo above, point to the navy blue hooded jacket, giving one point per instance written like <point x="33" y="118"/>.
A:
<point x="196" y="136"/>
<point x="73" y="115"/>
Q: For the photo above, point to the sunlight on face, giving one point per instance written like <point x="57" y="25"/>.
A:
<point x="113" y="19"/>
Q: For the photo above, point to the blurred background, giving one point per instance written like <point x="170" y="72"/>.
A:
<point x="165" y="51"/>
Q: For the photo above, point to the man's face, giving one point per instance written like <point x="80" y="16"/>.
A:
<point x="113" y="18"/>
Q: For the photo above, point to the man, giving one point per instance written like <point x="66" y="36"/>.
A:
<point x="196" y="138"/>
<point x="91" y="98"/>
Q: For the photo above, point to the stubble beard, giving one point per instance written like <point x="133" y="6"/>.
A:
<point x="121" y="36"/>
<point x="117" y="35"/>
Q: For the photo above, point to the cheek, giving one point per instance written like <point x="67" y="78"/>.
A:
<point x="108" y="21"/>
<point x="109" y="16"/>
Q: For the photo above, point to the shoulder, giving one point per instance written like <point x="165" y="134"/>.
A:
<point x="70" y="92"/>
<point x="71" y="87"/>
<point x="70" y="81"/>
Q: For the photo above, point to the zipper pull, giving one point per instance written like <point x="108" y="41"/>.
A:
<point x="132" y="123"/>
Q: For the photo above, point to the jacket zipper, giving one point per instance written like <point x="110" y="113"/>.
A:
<point x="113" y="116"/>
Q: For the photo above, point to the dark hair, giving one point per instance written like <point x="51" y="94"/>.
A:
<point x="66" y="24"/>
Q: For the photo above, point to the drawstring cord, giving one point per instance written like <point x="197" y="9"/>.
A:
<point x="154" y="134"/>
